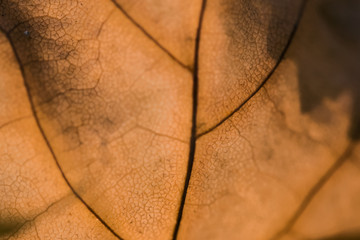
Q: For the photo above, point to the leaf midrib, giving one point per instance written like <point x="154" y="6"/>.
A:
<point x="194" y="120"/>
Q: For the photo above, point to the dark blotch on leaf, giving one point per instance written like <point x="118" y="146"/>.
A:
<point x="7" y="228"/>
<point x="326" y="71"/>
<point x="343" y="236"/>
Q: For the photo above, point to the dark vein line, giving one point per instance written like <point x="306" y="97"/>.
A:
<point x="194" y="114"/>
<point x="161" y="134"/>
<point x="314" y="190"/>
<point x="291" y="37"/>
<point x="189" y="68"/>
<point x="47" y="141"/>
<point x="14" y="121"/>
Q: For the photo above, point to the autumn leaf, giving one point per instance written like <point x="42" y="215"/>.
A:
<point x="179" y="119"/>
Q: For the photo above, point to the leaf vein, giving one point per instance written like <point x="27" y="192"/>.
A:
<point x="149" y="36"/>
<point x="314" y="190"/>
<point x="194" y="119"/>
<point x="47" y="141"/>
<point x="291" y="37"/>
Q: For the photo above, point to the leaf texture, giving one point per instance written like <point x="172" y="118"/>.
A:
<point x="179" y="119"/>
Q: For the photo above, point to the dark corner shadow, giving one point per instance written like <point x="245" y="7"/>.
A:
<point x="343" y="236"/>
<point x="327" y="54"/>
<point x="9" y="227"/>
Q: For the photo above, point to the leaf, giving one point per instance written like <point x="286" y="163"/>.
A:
<point x="178" y="119"/>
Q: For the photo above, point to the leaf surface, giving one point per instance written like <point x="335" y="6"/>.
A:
<point x="179" y="119"/>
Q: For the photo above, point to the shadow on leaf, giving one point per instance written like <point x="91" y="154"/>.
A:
<point x="343" y="236"/>
<point x="9" y="227"/>
<point x="328" y="57"/>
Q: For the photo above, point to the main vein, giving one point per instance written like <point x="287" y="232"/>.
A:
<point x="194" y="114"/>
